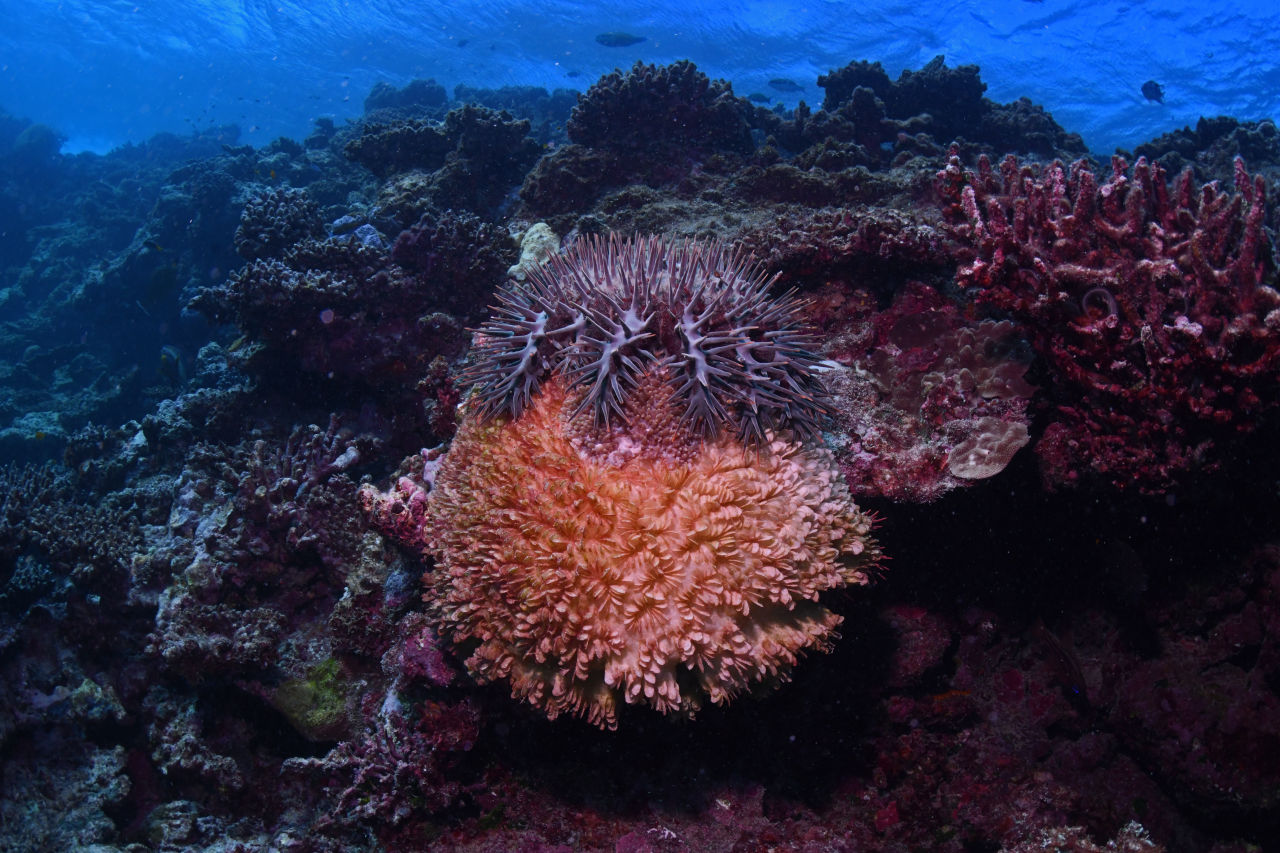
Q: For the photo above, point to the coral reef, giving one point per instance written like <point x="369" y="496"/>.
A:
<point x="469" y="160"/>
<point x="1128" y="287"/>
<point x="276" y="219"/>
<point x="925" y="401"/>
<point x="106" y="257"/>
<point x="853" y="151"/>
<point x="206" y="645"/>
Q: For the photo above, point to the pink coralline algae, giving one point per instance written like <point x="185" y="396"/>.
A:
<point x="1152" y="303"/>
<point x="398" y="772"/>
<point x="926" y="401"/>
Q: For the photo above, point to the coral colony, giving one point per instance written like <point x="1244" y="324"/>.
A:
<point x="629" y="512"/>
<point x="1149" y="302"/>
<point x="506" y="501"/>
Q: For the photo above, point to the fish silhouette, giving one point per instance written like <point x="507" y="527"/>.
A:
<point x="1153" y="91"/>
<point x="617" y="39"/>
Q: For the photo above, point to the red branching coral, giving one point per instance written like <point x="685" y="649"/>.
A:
<point x="399" y="768"/>
<point x="1150" y="303"/>
<point x="639" y="563"/>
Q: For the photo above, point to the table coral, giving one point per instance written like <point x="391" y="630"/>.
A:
<point x="1153" y="305"/>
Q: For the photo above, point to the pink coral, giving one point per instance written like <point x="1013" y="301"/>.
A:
<point x="1151" y="304"/>
<point x="928" y="401"/>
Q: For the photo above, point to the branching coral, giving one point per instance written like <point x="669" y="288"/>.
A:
<point x="275" y="219"/>
<point x="1152" y="304"/>
<point x="53" y="539"/>
<point x="674" y="108"/>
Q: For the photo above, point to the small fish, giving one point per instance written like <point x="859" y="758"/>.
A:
<point x="758" y="98"/>
<point x="782" y="84"/>
<point x="463" y="42"/>
<point x="618" y="39"/>
<point x="573" y="74"/>
<point x="152" y="245"/>
<point x="1153" y="91"/>
<point x="171" y="364"/>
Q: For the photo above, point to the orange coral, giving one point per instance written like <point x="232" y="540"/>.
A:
<point x="588" y="565"/>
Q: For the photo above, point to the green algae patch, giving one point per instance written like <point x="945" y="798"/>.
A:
<point x="316" y="704"/>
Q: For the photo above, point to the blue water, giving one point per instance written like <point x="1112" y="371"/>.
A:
<point x="106" y="73"/>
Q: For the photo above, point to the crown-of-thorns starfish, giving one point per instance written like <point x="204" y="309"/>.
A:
<point x="609" y="309"/>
